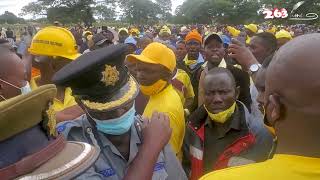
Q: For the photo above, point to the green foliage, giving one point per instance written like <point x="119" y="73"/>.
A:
<point x="222" y="11"/>
<point x="239" y="11"/>
<point x="10" y="18"/>
<point x="153" y="11"/>
<point x="65" y="11"/>
<point x="140" y="11"/>
<point x="165" y="9"/>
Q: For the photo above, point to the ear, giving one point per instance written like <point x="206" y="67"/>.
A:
<point x="273" y="109"/>
<point x="237" y="91"/>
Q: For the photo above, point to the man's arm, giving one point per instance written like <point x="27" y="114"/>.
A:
<point x="69" y="113"/>
<point x="156" y="135"/>
<point x="243" y="55"/>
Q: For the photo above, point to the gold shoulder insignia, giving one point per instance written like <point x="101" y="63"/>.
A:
<point x="51" y="120"/>
<point x="110" y="75"/>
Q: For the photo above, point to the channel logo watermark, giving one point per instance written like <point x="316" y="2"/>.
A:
<point x="283" y="13"/>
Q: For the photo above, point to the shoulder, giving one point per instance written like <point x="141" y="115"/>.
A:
<point x="263" y="138"/>
<point x="198" y="117"/>
<point x="181" y="72"/>
<point x="74" y="125"/>
<point x="182" y="75"/>
<point x="250" y="171"/>
<point x="170" y="97"/>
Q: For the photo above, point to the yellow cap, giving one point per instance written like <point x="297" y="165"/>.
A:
<point x="252" y="27"/>
<point x="134" y="30"/>
<point x="283" y="34"/>
<point x="123" y="29"/>
<point x="156" y="53"/>
<point x="86" y="33"/>
<point x="165" y="29"/>
<point x="54" y="41"/>
<point x="233" y="31"/>
<point x="272" y="30"/>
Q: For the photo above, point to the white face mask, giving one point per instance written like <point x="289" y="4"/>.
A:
<point x="24" y="90"/>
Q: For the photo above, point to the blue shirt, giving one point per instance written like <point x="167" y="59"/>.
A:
<point x="111" y="164"/>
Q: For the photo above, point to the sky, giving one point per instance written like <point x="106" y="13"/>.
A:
<point x="15" y="6"/>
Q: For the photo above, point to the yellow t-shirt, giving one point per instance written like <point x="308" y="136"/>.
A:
<point x="57" y="104"/>
<point x="248" y="40"/>
<point x="169" y="102"/>
<point x="183" y="77"/>
<point x="281" y="167"/>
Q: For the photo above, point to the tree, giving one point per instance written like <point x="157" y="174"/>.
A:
<point x="10" y="18"/>
<point x="105" y="10"/>
<point x="65" y="11"/>
<point x="222" y="11"/>
<point x="140" y="11"/>
<point x="165" y="8"/>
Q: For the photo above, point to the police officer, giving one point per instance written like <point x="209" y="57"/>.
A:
<point x="106" y="92"/>
<point x="30" y="148"/>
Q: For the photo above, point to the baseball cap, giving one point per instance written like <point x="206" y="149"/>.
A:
<point x="156" y="53"/>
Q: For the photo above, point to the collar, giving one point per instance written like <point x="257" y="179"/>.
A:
<point x="222" y="64"/>
<point x="234" y="122"/>
<point x="175" y="75"/>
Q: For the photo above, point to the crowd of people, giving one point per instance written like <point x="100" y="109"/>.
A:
<point x="160" y="102"/>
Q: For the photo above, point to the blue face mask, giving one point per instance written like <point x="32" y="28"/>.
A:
<point x="116" y="126"/>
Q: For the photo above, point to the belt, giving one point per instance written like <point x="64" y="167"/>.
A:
<point x="31" y="162"/>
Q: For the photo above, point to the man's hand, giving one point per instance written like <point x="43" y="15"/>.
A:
<point x="69" y="113"/>
<point x="242" y="54"/>
<point x="156" y="132"/>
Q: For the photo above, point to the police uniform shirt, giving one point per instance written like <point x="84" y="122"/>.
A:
<point x="110" y="164"/>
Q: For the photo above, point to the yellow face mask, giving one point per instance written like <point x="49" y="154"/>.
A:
<point x="189" y="62"/>
<point x="154" y="88"/>
<point x="223" y="116"/>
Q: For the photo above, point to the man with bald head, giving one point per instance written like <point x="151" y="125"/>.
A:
<point x="292" y="101"/>
<point x="222" y="133"/>
<point x="13" y="79"/>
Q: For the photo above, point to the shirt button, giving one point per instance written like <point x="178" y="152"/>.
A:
<point x="196" y="128"/>
<point x="89" y="130"/>
<point x="244" y="144"/>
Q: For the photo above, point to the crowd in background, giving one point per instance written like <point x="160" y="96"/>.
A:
<point x="169" y="101"/>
